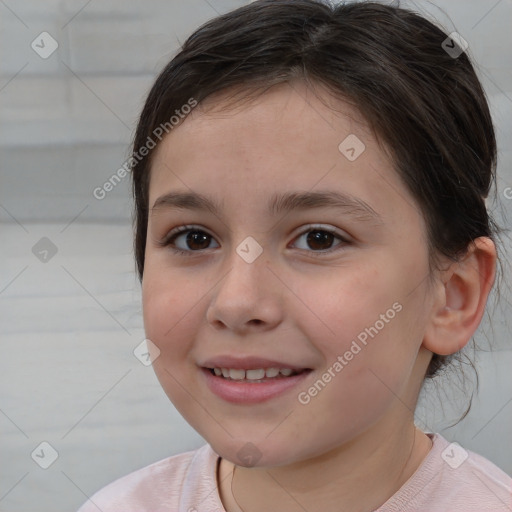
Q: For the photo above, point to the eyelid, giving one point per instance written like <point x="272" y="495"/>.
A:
<point x="343" y="239"/>
<point x="324" y="227"/>
<point x="175" y="232"/>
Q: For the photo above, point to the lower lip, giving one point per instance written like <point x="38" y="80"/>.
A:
<point x="244" y="392"/>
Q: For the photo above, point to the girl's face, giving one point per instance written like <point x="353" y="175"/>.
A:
<point x="313" y="260"/>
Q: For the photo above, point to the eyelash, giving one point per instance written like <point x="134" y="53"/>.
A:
<point x="171" y="237"/>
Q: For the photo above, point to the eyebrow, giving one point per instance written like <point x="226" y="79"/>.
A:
<point x="278" y="203"/>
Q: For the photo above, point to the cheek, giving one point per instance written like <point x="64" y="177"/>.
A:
<point x="342" y="305"/>
<point x="170" y="324"/>
<point x="168" y="303"/>
<point x="368" y="327"/>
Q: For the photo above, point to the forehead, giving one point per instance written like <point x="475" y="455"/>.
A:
<point x="279" y="106"/>
<point x="290" y="137"/>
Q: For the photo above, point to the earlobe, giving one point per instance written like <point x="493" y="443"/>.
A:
<point x="460" y="300"/>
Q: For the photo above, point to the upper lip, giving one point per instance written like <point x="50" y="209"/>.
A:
<point x="247" y="363"/>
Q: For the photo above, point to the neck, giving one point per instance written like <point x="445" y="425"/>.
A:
<point x="359" y="476"/>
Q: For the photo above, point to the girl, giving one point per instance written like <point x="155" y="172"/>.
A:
<point x="313" y="243"/>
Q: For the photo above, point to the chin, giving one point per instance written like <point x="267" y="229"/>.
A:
<point x="257" y="453"/>
<point x="249" y="454"/>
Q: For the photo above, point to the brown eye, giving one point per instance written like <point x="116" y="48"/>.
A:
<point x="187" y="240"/>
<point x="197" y="240"/>
<point x="320" y="240"/>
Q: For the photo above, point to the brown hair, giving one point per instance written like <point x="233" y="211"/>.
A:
<point x="427" y="106"/>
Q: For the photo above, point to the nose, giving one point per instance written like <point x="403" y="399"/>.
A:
<point x="248" y="298"/>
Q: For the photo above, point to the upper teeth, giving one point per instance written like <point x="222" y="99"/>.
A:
<point x="260" y="373"/>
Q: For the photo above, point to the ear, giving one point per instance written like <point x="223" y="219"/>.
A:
<point x="460" y="299"/>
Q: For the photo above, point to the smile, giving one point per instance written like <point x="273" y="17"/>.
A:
<point x="254" y="375"/>
<point x="254" y="385"/>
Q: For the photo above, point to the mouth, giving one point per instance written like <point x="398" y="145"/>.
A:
<point x="251" y="381"/>
<point x="255" y="375"/>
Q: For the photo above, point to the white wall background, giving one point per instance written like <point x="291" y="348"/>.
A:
<point x="69" y="324"/>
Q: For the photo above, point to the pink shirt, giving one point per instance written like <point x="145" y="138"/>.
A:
<point x="450" y="479"/>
